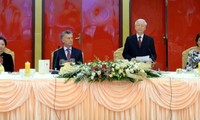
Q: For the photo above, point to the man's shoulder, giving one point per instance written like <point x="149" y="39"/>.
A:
<point x="76" y="49"/>
<point x="58" y="50"/>
<point x="148" y="37"/>
<point x="131" y="36"/>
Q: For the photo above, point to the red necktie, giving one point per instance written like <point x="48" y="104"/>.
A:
<point x="139" y="41"/>
<point x="68" y="54"/>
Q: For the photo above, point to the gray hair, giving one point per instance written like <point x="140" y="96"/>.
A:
<point x="141" y="20"/>
<point x="65" y="32"/>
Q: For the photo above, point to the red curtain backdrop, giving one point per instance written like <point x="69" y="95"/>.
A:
<point x="95" y="25"/>
<point x="16" y="27"/>
<point x="183" y="26"/>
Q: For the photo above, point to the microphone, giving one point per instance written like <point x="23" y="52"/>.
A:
<point x="54" y="70"/>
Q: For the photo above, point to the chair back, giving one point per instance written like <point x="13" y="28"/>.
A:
<point x="185" y="56"/>
<point x="118" y="54"/>
<point x="52" y="54"/>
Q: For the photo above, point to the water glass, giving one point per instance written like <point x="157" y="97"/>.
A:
<point x="62" y="62"/>
<point x="72" y="61"/>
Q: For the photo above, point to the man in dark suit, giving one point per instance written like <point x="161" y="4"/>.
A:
<point x="139" y="44"/>
<point x="67" y="53"/>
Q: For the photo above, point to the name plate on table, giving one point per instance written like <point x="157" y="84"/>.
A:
<point x="44" y="66"/>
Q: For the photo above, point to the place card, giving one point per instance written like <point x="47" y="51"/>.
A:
<point x="44" y="66"/>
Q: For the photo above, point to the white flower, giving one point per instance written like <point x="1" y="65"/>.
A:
<point x="120" y="71"/>
<point x="110" y="75"/>
<point x="99" y="72"/>
<point x="93" y="73"/>
<point x="117" y="67"/>
<point x="92" y="77"/>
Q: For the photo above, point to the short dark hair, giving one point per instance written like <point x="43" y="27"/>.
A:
<point x="197" y="37"/>
<point x="65" y="32"/>
<point x="2" y="38"/>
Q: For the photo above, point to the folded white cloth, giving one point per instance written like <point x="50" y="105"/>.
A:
<point x="143" y="59"/>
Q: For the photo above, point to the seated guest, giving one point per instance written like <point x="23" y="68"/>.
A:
<point x="139" y="44"/>
<point x="194" y="55"/>
<point x="67" y="52"/>
<point x="5" y="59"/>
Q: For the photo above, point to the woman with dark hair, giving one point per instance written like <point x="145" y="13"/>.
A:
<point x="5" y="59"/>
<point x="194" y="56"/>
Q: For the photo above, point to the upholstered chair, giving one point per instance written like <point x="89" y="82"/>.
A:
<point x="118" y="54"/>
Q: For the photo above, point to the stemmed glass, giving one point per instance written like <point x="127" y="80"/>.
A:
<point x="62" y="62"/>
<point x="72" y="61"/>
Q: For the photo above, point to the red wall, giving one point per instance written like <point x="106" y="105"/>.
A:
<point x="16" y="27"/>
<point x="183" y="25"/>
<point x="96" y="21"/>
<point x="100" y="33"/>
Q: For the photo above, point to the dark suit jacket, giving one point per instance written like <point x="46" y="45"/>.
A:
<point x="132" y="50"/>
<point x="60" y="54"/>
<point x="7" y="62"/>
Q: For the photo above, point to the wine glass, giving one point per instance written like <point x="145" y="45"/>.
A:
<point x="62" y="62"/>
<point x="72" y="61"/>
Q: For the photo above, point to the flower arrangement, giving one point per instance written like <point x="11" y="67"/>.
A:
<point x="107" y="70"/>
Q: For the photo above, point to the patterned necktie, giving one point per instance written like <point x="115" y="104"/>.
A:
<point x="139" y="41"/>
<point x="68" y="54"/>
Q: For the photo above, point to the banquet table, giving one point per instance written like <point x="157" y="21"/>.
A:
<point x="173" y="96"/>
